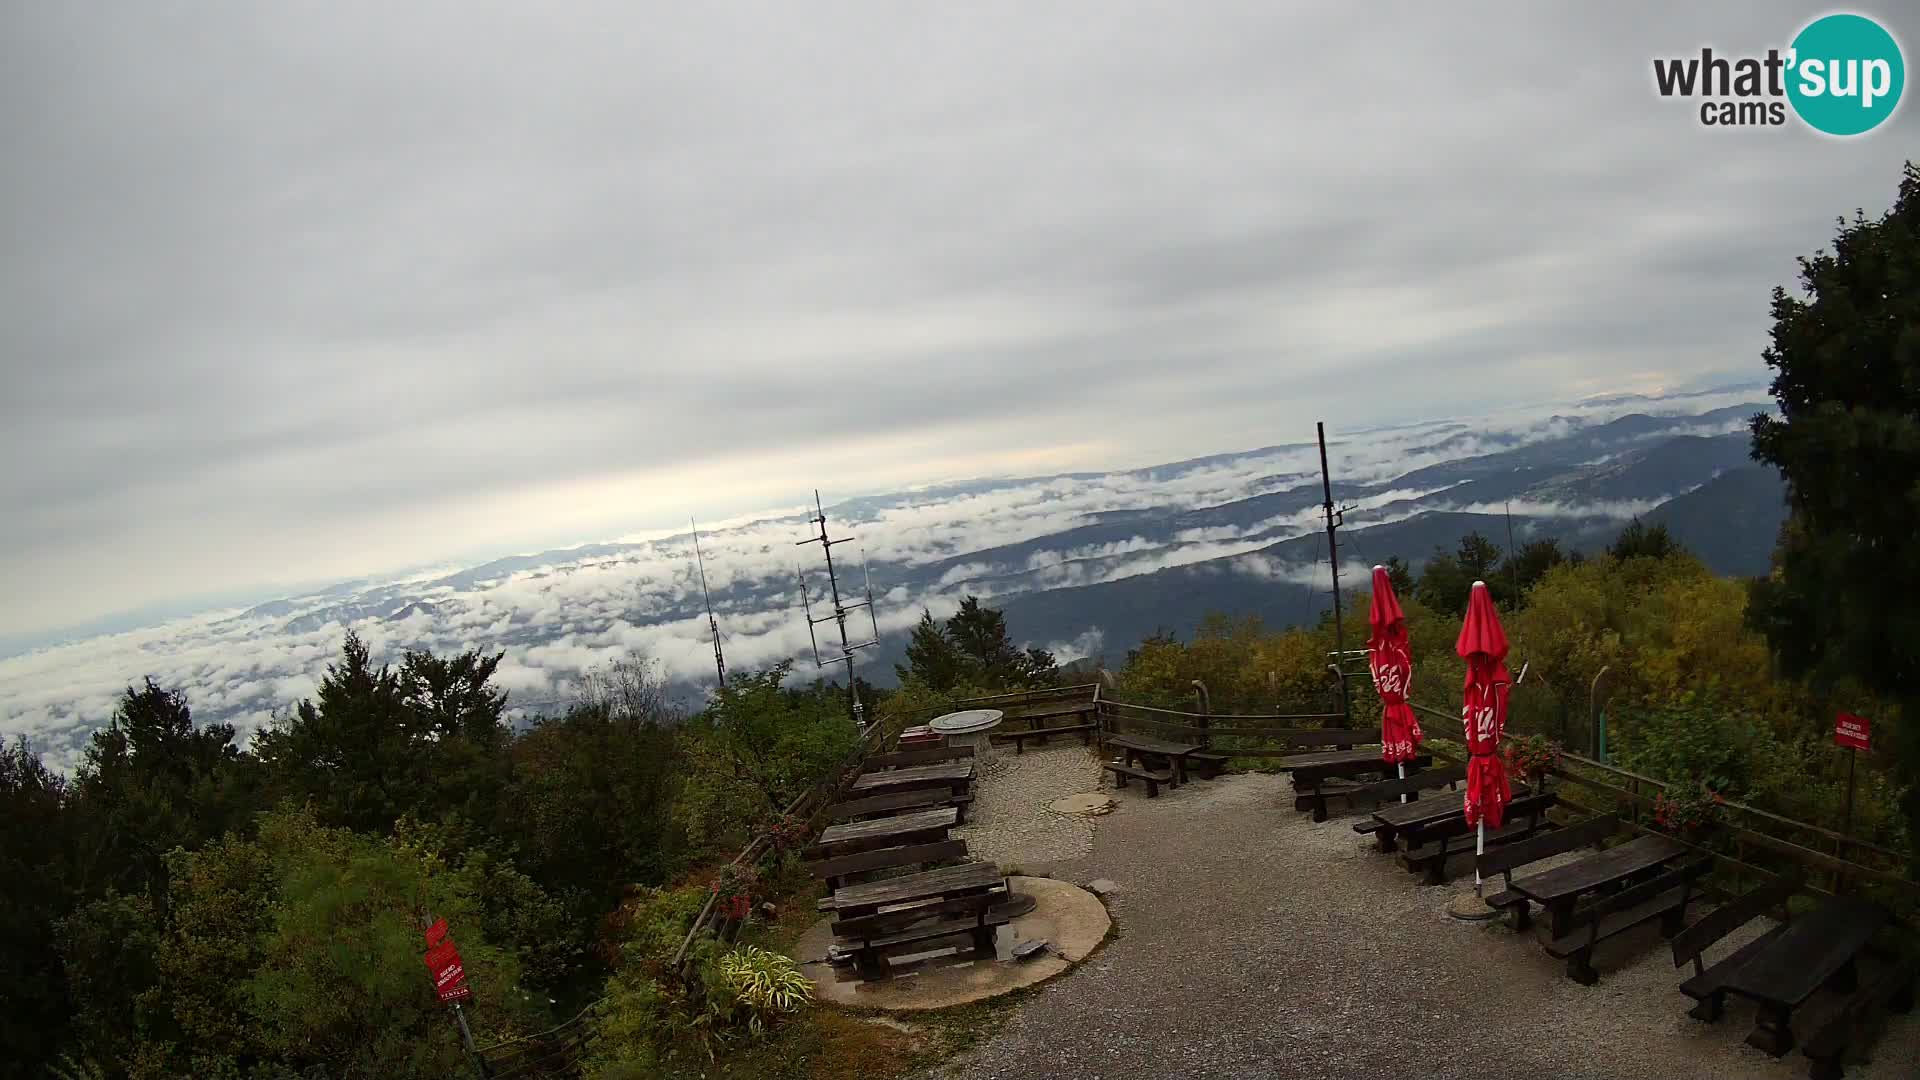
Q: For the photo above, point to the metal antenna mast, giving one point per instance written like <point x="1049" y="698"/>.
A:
<point x="713" y="624"/>
<point x="840" y="611"/>
<point x="1335" y="518"/>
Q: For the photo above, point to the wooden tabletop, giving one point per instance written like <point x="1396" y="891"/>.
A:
<point x="1151" y="746"/>
<point x="1430" y="808"/>
<point x="898" y="890"/>
<point x="1427" y="808"/>
<point x="1563" y="883"/>
<point x="941" y="818"/>
<point x="925" y="775"/>
<point x="1808" y="952"/>
<point x="1332" y="757"/>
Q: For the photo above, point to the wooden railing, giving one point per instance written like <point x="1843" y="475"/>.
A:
<point x="1763" y="842"/>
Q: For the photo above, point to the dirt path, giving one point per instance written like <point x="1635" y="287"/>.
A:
<point x="1254" y="943"/>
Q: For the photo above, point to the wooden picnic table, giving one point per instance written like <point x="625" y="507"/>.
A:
<point x="1312" y="770"/>
<point x="1560" y="888"/>
<point x="1175" y="754"/>
<point x="1814" y="950"/>
<point x="909" y="914"/>
<point x="918" y="827"/>
<point x="867" y="899"/>
<point x="948" y="774"/>
<point x="1397" y="818"/>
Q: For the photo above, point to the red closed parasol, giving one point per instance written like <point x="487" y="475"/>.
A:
<point x="1483" y="644"/>
<point x="1391" y="660"/>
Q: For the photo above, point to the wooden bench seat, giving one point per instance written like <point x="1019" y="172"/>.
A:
<point x="1429" y="846"/>
<point x="1390" y="789"/>
<point x="1019" y="738"/>
<point x="1121" y="770"/>
<point x="1828" y="1049"/>
<point x="846" y="869"/>
<point x="1208" y="763"/>
<point x="1032" y="719"/>
<point x="1664" y="898"/>
<point x="872" y="957"/>
<point x="1707" y="986"/>
<point x="1504" y="859"/>
<point x="897" y="801"/>
<point x="906" y="759"/>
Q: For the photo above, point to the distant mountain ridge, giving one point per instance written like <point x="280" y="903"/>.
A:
<point x="1078" y="561"/>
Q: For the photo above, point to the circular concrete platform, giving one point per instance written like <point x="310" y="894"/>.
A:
<point x="1070" y="919"/>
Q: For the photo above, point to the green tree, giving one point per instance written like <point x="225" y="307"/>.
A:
<point x="932" y="656"/>
<point x="1528" y="565"/>
<point x="1400" y="575"/>
<point x="1840" y="604"/>
<point x="427" y="739"/>
<point x="1448" y="577"/>
<point x="39" y="881"/>
<point x="153" y="780"/>
<point x="1640" y="541"/>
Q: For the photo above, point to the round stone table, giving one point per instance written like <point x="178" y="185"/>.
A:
<point x="970" y="728"/>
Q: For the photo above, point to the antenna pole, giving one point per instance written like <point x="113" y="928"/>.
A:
<point x="1333" y="563"/>
<point x="713" y="624"/>
<point x="840" y="610"/>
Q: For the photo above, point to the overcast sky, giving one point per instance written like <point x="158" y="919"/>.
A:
<point x="297" y="292"/>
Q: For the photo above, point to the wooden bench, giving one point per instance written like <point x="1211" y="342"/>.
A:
<point x="1506" y="858"/>
<point x="896" y="801"/>
<point x="885" y="918"/>
<point x="1430" y="844"/>
<point x="1312" y="771"/>
<point x="1708" y="985"/>
<point x="1664" y="898"/>
<point x="1170" y="757"/>
<point x="906" y="759"/>
<point x="872" y="834"/>
<point x="1829" y="1047"/>
<point x="1818" y="951"/>
<point x="1019" y="738"/>
<point x="1208" y="763"/>
<point x="1033" y="718"/>
<point x="1121" y="770"/>
<point x="1411" y="785"/>
<point x="844" y="870"/>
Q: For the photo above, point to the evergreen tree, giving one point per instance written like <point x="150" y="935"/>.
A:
<point x="932" y="656"/>
<point x="1638" y="541"/>
<point x="1841" y="603"/>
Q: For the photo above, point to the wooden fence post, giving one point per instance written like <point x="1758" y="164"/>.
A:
<point x="1205" y="719"/>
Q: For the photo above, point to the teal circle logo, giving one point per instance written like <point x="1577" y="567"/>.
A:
<point x="1845" y="74"/>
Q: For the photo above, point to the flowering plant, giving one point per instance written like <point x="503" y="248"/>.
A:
<point x="733" y="891"/>
<point x="1684" y="809"/>
<point x="1532" y="757"/>
<point x="787" y="833"/>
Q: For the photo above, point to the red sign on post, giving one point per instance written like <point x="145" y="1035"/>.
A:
<point x="436" y="933"/>
<point x="449" y="973"/>
<point x="1851" y="730"/>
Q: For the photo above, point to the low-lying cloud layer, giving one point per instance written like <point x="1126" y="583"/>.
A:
<point x="560" y="615"/>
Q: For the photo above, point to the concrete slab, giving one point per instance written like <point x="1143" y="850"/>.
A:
<point x="1090" y="804"/>
<point x="1070" y="919"/>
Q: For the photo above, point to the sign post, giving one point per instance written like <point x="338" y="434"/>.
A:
<point x="450" y="983"/>
<point x="1854" y="733"/>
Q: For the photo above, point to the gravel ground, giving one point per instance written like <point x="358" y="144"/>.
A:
<point x="1009" y="822"/>
<point x="1254" y="943"/>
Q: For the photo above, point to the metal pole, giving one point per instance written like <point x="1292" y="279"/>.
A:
<point x="1333" y="563"/>
<point x="713" y="624"/>
<point x="1853" y="759"/>
<point x="1513" y="564"/>
<point x="466" y="1039"/>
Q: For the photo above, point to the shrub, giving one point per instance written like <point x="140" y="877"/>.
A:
<point x="765" y="985"/>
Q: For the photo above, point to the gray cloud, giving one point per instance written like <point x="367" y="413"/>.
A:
<point x="307" y="291"/>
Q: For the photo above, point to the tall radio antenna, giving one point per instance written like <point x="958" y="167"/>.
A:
<point x="840" y="611"/>
<point x="713" y="624"/>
